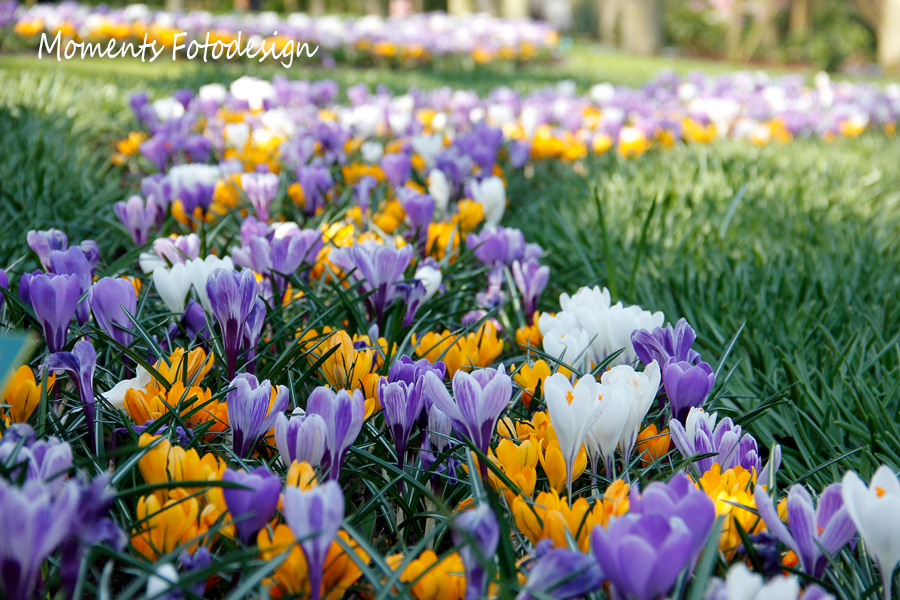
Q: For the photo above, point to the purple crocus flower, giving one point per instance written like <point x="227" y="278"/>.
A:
<point x="231" y="296"/>
<point x="44" y="242"/>
<point x="410" y="371"/>
<point x="156" y="150"/>
<point x="560" y="573"/>
<point x="80" y="364"/>
<point x="702" y="435"/>
<point x="194" y="321"/>
<point x="200" y="559"/>
<point x="111" y="300"/>
<point x="679" y="497"/>
<point x="48" y="461"/>
<point x="412" y="294"/>
<point x="478" y="399"/>
<point x="377" y="267"/>
<point x="343" y="413"/>
<point x="531" y="279"/>
<point x="811" y="530"/>
<point x="137" y="217"/>
<point x="397" y="168"/>
<point x="249" y="413"/>
<point x="301" y="438"/>
<point x="298" y="247"/>
<point x="91" y="254"/>
<point x="686" y="385"/>
<point x="519" y="153"/>
<point x="315" y="181"/>
<point x="33" y="523"/>
<point x="252" y="331"/>
<point x="251" y="508"/>
<point x="642" y="555"/>
<point x="497" y="246"/>
<point x="438" y="440"/>
<point x="91" y="526"/>
<point x="4" y="283"/>
<point x="139" y="102"/>
<point x="362" y="191"/>
<point x="157" y="189"/>
<point x="477" y="533"/>
<point x="402" y="403"/>
<point x="662" y="344"/>
<point x="54" y="300"/>
<point x="260" y="189"/>
<point x="419" y="209"/>
<point x="314" y="517"/>
<point x="74" y="262"/>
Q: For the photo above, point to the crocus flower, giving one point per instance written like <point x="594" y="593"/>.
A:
<point x="573" y="411"/>
<point x="378" y="268"/>
<point x="644" y="386"/>
<point x="438" y="440"/>
<point x="74" y="262"/>
<point x="260" y="189"/>
<point x="48" y="461"/>
<point x="297" y="247"/>
<point x="742" y="584"/>
<point x="249" y="413"/>
<point x="679" y="497"/>
<point x="429" y="273"/>
<point x="32" y="524"/>
<point x="172" y="285"/>
<point x="687" y="386"/>
<point x="194" y="185"/>
<point x="44" y="242"/>
<point x="314" y="517"/>
<point x="603" y="437"/>
<point x="80" y="364"/>
<point x="110" y="301"/>
<point x="397" y="167"/>
<point x="811" y="530"/>
<point x="497" y="245"/>
<point x="701" y="435"/>
<point x="54" y="299"/>
<point x="402" y="402"/>
<point x="301" y="438"/>
<point x="343" y="414"/>
<point x="642" y="556"/>
<point x="251" y="508"/>
<point x="412" y="294"/>
<point x="477" y="533"/>
<point x="560" y="573"/>
<point x="476" y="404"/>
<point x="531" y="279"/>
<point x="439" y="189"/>
<point x="419" y="209"/>
<point x="231" y="296"/>
<point x="200" y="270"/>
<point x="662" y="344"/>
<point x="91" y="526"/>
<point x="875" y="510"/>
<point x="490" y="193"/>
<point x="252" y="331"/>
<point x="137" y="216"/>
<point x="315" y="181"/>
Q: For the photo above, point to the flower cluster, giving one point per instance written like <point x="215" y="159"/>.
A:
<point x="417" y="39"/>
<point x="323" y="344"/>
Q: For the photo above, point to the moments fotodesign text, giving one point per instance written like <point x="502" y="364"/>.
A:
<point x="255" y="46"/>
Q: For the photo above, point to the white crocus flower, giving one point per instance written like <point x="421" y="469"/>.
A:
<point x="200" y="271"/>
<point x="431" y="278"/>
<point x="428" y="147"/>
<point x="173" y="285"/>
<point x="742" y="584"/>
<point x="237" y="135"/>
<point x="439" y="189"/>
<point x="875" y="510"/>
<point x="573" y="411"/>
<point x="213" y="91"/>
<point x="568" y="346"/>
<point x="603" y="437"/>
<point x="168" y="109"/>
<point x="491" y="195"/>
<point x="372" y="151"/>
<point x="252" y="89"/>
<point x="116" y="396"/>
<point x="163" y="579"/>
<point x="644" y="386"/>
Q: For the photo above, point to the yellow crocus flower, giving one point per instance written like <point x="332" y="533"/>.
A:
<point x="23" y="394"/>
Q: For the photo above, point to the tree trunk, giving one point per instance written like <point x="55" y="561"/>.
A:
<point x="609" y="19"/>
<point x="764" y="19"/>
<point x="735" y="30"/>
<point x="888" y="36"/>
<point x="173" y="5"/>
<point x="373" y="7"/>
<point x="486" y="6"/>
<point x="642" y="26"/>
<point x="514" y="9"/>
<point x="317" y="7"/>
<point x="800" y="12"/>
<point x="459" y="7"/>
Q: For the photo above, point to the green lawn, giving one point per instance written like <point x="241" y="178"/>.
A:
<point x="795" y="246"/>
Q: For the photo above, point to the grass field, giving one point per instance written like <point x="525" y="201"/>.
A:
<point x="786" y="255"/>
